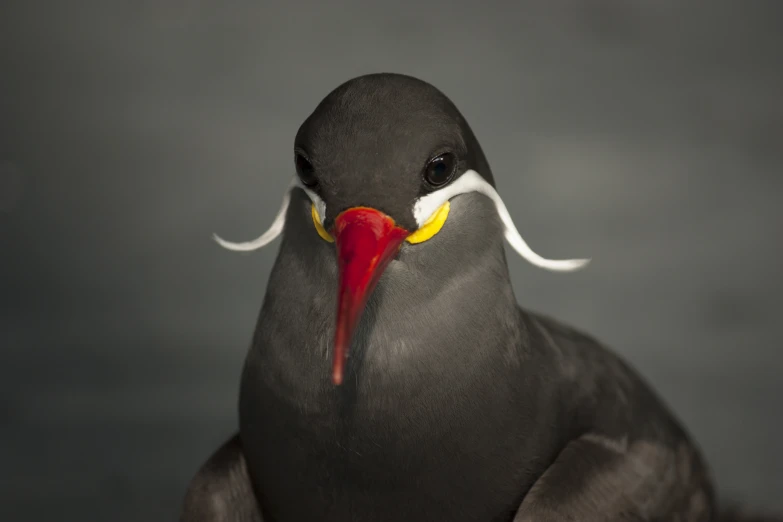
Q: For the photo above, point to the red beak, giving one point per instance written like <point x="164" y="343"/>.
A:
<point x="367" y="240"/>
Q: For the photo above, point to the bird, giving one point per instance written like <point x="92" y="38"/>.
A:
<point x="392" y="374"/>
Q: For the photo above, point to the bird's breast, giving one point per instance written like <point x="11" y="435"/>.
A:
<point x="432" y="422"/>
<point x="421" y="444"/>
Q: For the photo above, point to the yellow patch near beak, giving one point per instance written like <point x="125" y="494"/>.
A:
<point x="319" y="227"/>
<point x="432" y="226"/>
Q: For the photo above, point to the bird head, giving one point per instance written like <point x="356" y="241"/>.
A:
<point x="381" y="160"/>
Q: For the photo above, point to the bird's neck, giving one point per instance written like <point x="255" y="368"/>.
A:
<point x="440" y="309"/>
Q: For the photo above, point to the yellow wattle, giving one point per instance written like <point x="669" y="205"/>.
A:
<point x="432" y="226"/>
<point x="319" y="227"/>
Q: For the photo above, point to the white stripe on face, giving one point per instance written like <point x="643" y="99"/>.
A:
<point x="278" y="224"/>
<point x="423" y="208"/>
<point x="471" y="181"/>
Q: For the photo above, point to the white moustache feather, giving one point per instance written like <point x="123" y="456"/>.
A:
<point x="423" y="208"/>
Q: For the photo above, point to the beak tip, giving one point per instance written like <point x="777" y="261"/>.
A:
<point x="337" y="377"/>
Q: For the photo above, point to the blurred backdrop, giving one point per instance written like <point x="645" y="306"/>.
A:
<point x="645" y="134"/>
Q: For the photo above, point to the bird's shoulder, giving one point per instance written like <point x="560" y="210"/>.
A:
<point x="556" y="335"/>
<point x="604" y="391"/>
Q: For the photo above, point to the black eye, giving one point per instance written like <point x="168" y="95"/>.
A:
<point x="305" y="170"/>
<point x="440" y="170"/>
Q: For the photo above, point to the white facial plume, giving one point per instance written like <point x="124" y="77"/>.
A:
<point x="277" y="225"/>
<point x="471" y="181"/>
<point x="424" y="207"/>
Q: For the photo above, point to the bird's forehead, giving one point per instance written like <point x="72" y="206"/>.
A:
<point x="383" y="133"/>
<point x="390" y="116"/>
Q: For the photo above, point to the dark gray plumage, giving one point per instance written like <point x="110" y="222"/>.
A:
<point x="457" y="405"/>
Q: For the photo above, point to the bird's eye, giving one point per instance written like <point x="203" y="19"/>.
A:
<point x="440" y="170"/>
<point x="305" y="170"/>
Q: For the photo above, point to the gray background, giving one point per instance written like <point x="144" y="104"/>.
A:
<point x="644" y="134"/>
